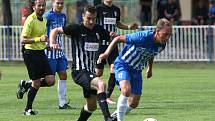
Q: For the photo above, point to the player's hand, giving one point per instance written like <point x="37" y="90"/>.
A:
<point x="113" y="35"/>
<point x="101" y="57"/>
<point x="55" y="46"/>
<point x="44" y="38"/>
<point x="148" y="73"/>
<point x="134" y="26"/>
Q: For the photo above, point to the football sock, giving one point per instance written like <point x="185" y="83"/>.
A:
<point x="101" y="98"/>
<point x="31" y="95"/>
<point x="62" y="92"/>
<point x="129" y="108"/>
<point x="43" y="83"/>
<point x="111" y="84"/>
<point x="121" y="107"/>
<point x="84" y="115"/>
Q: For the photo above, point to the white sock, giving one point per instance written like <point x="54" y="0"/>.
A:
<point x="121" y="107"/>
<point x="129" y="108"/>
<point x="61" y="92"/>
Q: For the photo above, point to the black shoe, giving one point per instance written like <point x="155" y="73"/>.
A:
<point x="112" y="119"/>
<point x="30" y="112"/>
<point x="114" y="116"/>
<point x="66" y="106"/>
<point x="21" y="89"/>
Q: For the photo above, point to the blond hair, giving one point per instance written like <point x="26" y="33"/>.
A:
<point x="163" y="22"/>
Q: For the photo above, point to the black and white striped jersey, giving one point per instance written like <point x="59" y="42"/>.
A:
<point x="85" y="45"/>
<point x="107" y="16"/>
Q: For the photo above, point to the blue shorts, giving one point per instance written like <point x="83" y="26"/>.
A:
<point x="124" y="72"/>
<point x="58" y="65"/>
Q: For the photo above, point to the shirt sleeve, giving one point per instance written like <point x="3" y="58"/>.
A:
<point x="71" y="30"/>
<point x="137" y="38"/>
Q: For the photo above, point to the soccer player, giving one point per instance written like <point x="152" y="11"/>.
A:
<point x="139" y="51"/>
<point x="108" y="16"/>
<point x="34" y="37"/>
<point x="86" y="39"/>
<point x="57" y="60"/>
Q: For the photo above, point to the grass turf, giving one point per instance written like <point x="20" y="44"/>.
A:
<point x="176" y="92"/>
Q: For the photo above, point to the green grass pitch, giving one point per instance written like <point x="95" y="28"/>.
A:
<point x="176" y="92"/>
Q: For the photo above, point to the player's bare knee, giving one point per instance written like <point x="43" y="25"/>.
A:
<point x="36" y="84"/>
<point x="126" y="91"/>
<point x="62" y="76"/>
<point x="101" y="86"/>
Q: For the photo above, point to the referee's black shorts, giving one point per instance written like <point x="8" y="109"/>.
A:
<point x="37" y="64"/>
<point x="111" y="58"/>
<point x="84" y="78"/>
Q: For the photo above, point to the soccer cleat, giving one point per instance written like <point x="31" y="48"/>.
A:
<point x="30" y="112"/>
<point x="114" y="115"/>
<point x="21" y="89"/>
<point x="66" y="106"/>
<point x="110" y="101"/>
<point x="111" y="119"/>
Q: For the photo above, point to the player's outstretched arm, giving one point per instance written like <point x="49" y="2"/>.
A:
<point x="114" y="42"/>
<point x="52" y="37"/>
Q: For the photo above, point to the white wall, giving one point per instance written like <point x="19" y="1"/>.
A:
<point x="185" y="9"/>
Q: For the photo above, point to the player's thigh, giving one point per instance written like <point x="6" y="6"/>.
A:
<point x="136" y="82"/>
<point x="53" y="65"/>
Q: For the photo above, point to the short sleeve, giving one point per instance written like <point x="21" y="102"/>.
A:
<point x="71" y="30"/>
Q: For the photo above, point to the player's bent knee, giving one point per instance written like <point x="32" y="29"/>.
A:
<point x="101" y="85"/>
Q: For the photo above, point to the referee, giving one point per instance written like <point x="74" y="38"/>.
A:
<point x="86" y="39"/>
<point x="34" y="37"/>
<point x="108" y="16"/>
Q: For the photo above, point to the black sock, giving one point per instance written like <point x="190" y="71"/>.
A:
<point x="101" y="98"/>
<point x="84" y="115"/>
<point x="43" y="83"/>
<point x="31" y="95"/>
<point x="111" y="84"/>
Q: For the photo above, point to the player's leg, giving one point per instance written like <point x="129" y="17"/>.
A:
<point x="136" y="90"/>
<point x="90" y="106"/>
<point x="62" y="88"/>
<point x="133" y="102"/>
<point x="112" y="80"/>
<point x="123" y="79"/>
<point x="100" y="86"/>
<point x="37" y="70"/>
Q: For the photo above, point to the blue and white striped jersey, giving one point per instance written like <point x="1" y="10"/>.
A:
<point x="139" y="48"/>
<point x="55" y="20"/>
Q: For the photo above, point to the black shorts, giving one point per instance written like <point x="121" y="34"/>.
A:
<point x="37" y="64"/>
<point x="84" y="78"/>
<point x="111" y="58"/>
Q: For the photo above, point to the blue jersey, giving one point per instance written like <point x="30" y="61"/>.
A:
<point x="55" y="20"/>
<point x="139" y="48"/>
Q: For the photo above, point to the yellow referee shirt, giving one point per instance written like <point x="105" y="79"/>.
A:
<point x="34" y="28"/>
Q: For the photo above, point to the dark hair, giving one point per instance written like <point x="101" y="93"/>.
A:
<point x="89" y="8"/>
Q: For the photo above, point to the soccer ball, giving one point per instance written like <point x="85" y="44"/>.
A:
<point x="149" y="119"/>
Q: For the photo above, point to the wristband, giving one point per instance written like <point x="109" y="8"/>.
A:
<point x="36" y="39"/>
